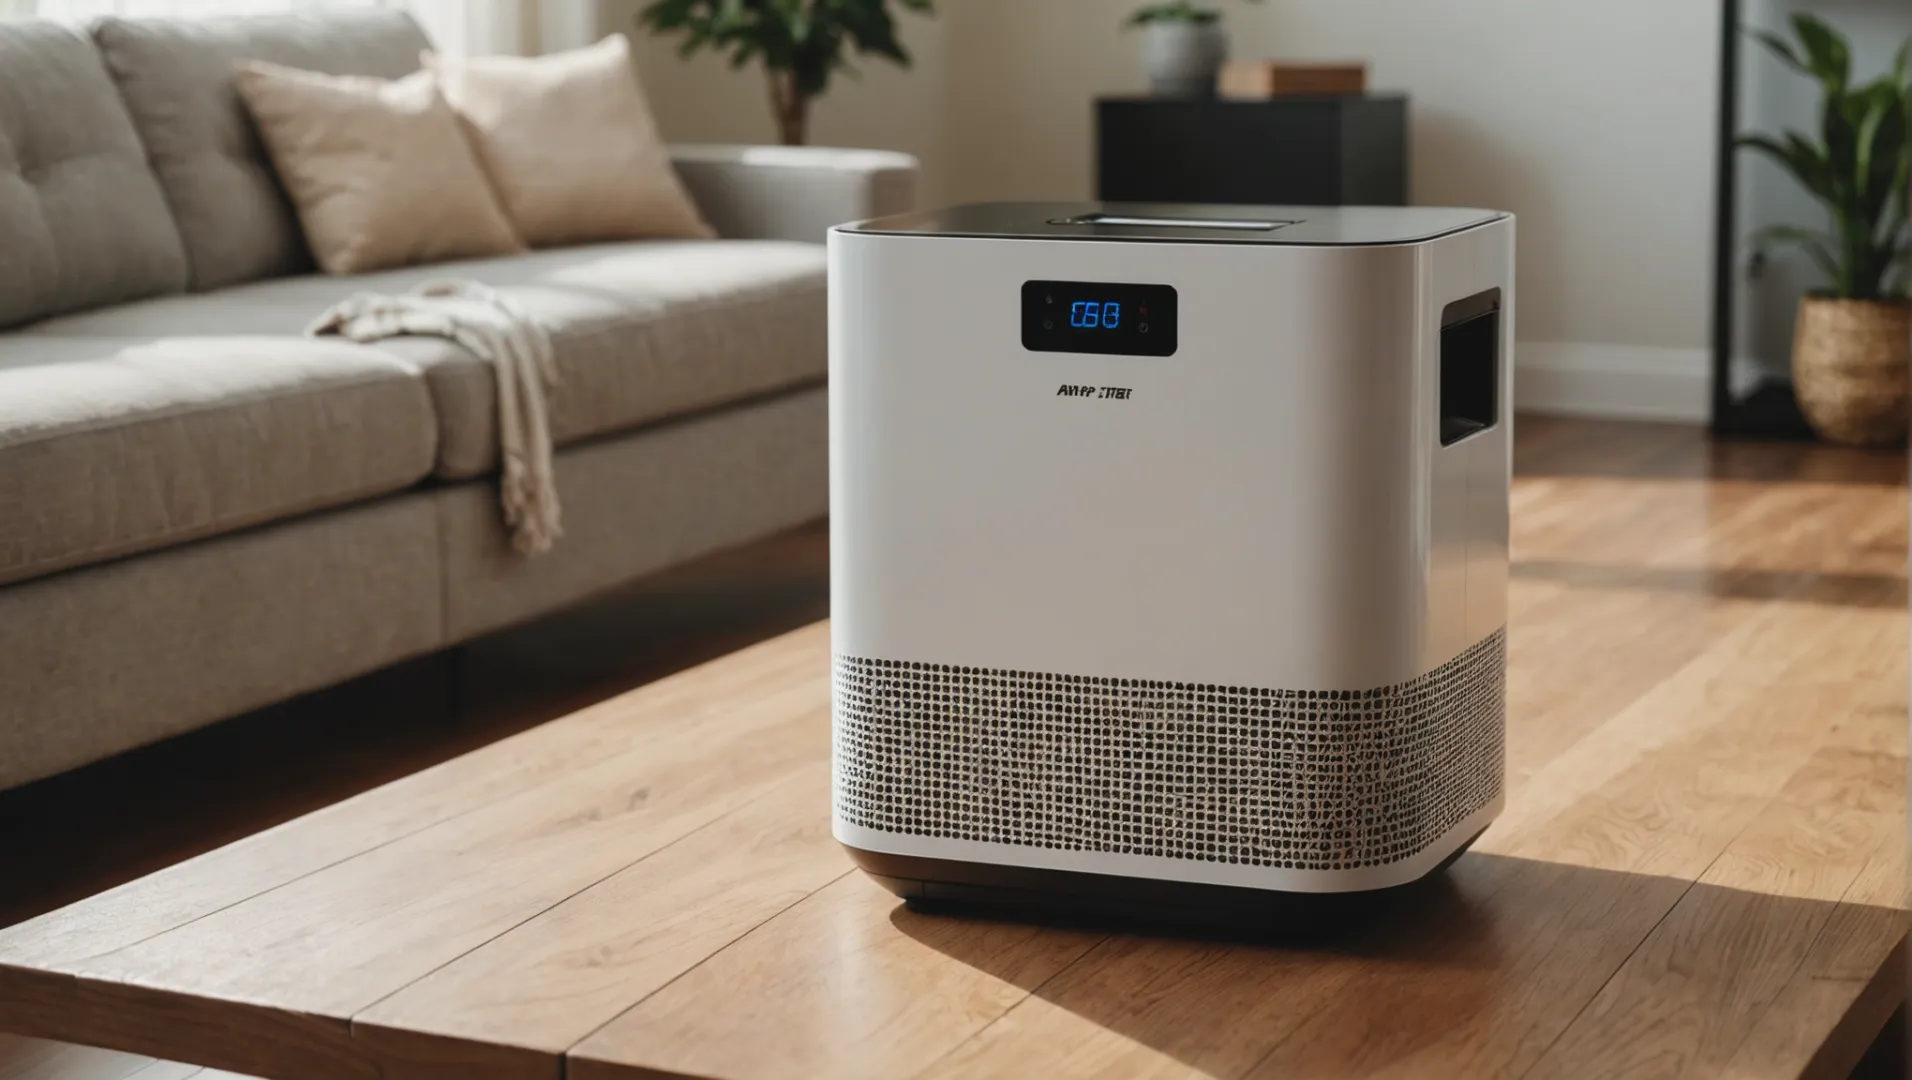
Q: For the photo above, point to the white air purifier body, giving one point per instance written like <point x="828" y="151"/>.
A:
<point x="1168" y="546"/>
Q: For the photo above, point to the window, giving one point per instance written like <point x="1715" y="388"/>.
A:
<point x="87" y="9"/>
<point x="455" y="26"/>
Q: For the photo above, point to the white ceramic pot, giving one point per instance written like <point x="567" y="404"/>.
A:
<point x="1183" y="59"/>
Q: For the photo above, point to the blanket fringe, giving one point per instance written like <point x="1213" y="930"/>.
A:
<point x="519" y="351"/>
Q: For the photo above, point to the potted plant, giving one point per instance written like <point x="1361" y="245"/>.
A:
<point x="1183" y="47"/>
<point x="800" y="43"/>
<point x="1852" y="355"/>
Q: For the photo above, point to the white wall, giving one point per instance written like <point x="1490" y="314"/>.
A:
<point x="1593" y="122"/>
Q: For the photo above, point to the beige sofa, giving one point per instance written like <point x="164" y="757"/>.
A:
<point x="202" y="511"/>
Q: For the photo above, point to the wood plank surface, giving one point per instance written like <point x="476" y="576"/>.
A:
<point x="550" y="982"/>
<point x="846" y="983"/>
<point x="1690" y="995"/>
<point x="1700" y="870"/>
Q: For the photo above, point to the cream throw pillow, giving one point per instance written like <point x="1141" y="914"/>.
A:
<point x="379" y="171"/>
<point x="570" y="145"/>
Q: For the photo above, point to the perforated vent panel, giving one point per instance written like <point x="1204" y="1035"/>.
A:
<point x="1309" y="780"/>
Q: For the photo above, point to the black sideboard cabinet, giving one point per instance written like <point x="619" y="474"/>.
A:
<point x="1309" y="151"/>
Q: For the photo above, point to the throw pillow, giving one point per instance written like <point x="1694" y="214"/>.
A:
<point x="570" y="145"/>
<point x="379" y="171"/>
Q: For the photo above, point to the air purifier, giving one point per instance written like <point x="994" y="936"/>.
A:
<point x="1168" y="547"/>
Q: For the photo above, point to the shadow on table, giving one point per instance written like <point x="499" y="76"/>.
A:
<point x="1490" y="969"/>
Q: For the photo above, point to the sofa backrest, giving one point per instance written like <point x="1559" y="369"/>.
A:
<point x="82" y="219"/>
<point x="175" y="76"/>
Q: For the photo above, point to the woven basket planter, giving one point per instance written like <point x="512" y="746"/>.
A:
<point x="1852" y="369"/>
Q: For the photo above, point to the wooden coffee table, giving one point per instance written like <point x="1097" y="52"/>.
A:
<point x="1700" y="869"/>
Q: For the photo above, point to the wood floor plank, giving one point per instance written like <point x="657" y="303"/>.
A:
<point x="1713" y="739"/>
<point x="552" y="981"/>
<point x="1672" y="583"/>
<point x="1842" y="992"/>
<point x="193" y="889"/>
<point x="1662" y="570"/>
<point x="845" y="984"/>
<point x="1687" y="998"/>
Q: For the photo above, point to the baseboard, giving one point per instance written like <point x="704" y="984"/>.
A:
<point x="1618" y="382"/>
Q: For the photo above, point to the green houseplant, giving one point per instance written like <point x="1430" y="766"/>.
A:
<point x="1852" y="364"/>
<point x="1183" y="11"/>
<point x="1183" y="47"/>
<point x="801" y="43"/>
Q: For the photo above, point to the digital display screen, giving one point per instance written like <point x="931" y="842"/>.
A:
<point x="1091" y="315"/>
<point x="1098" y="317"/>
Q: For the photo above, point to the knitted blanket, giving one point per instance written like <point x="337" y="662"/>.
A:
<point x="519" y="352"/>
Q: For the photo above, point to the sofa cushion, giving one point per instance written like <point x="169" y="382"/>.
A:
<point x="82" y="220"/>
<point x="378" y="169"/>
<point x="586" y="109"/>
<point x="176" y="78"/>
<point x="642" y="331"/>
<point x="110" y="447"/>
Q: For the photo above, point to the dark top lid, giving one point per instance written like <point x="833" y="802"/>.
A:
<point x="1186" y="223"/>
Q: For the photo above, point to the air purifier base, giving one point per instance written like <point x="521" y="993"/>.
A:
<point x="1075" y="897"/>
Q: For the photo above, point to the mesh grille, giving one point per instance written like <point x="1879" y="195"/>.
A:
<point x="1299" y="779"/>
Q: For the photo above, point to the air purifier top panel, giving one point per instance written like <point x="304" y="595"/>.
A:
<point x="1182" y="223"/>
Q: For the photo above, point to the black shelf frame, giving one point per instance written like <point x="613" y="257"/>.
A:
<point x="1769" y="410"/>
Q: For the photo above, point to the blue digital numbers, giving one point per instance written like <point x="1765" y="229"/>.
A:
<point x="1095" y="315"/>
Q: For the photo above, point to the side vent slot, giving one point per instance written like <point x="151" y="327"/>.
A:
<point x="1470" y="366"/>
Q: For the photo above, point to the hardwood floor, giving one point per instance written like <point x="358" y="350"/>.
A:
<point x="1658" y="511"/>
